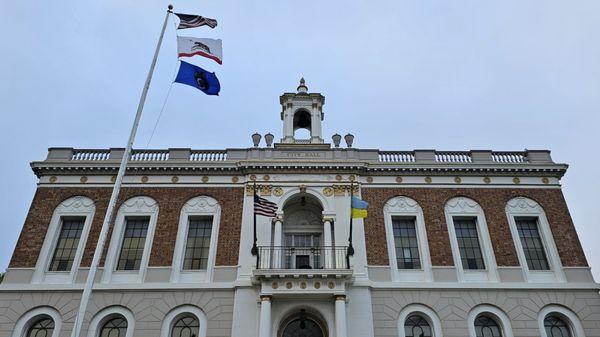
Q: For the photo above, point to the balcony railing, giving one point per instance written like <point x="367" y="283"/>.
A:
<point x="302" y="258"/>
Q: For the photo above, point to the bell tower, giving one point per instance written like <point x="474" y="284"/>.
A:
<point x="302" y="110"/>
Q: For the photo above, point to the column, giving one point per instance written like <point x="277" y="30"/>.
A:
<point x="340" y="315"/>
<point x="328" y="244"/>
<point x="264" y="329"/>
<point x="277" y="249"/>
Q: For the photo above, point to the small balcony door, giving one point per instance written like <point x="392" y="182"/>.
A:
<point x="303" y="251"/>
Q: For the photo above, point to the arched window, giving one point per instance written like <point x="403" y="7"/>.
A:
<point x="417" y="326"/>
<point x="114" y="327"/>
<point x="556" y="327"/>
<point x="486" y="326"/>
<point x="186" y="326"/>
<point x="44" y="327"/>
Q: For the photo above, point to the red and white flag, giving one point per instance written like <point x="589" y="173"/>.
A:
<point x="210" y="48"/>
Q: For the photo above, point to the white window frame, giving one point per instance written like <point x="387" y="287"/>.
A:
<point x="565" y="314"/>
<point x="32" y="316"/>
<point x="494" y="312"/>
<point x="461" y="207"/>
<point x="140" y="206"/>
<point x="78" y="206"/>
<point x="198" y="206"/>
<point x="522" y="207"/>
<point x="176" y="313"/>
<point x="427" y="313"/>
<point x="107" y="314"/>
<point x="406" y="207"/>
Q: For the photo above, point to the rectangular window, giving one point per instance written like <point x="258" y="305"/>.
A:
<point x="302" y="251"/>
<point x="67" y="243"/>
<point x="198" y="243"/>
<point x="134" y="240"/>
<point x="532" y="243"/>
<point x="407" y="244"/>
<point x="468" y="243"/>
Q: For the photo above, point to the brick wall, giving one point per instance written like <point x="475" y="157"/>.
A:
<point x="170" y="201"/>
<point x="493" y="201"/>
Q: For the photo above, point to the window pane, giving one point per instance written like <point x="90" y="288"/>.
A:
<point x="468" y="243"/>
<point x="417" y="326"/>
<point x="198" y="243"/>
<point x="116" y="327"/>
<point x="42" y="328"/>
<point x="187" y="326"/>
<point x="66" y="246"/>
<point x="556" y="327"/>
<point x="134" y="240"/>
<point x="532" y="243"/>
<point x="487" y="327"/>
<point x="407" y="244"/>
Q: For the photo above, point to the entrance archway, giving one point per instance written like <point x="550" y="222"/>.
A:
<point x="303" y="232"/>
<point x="303" y="324"/>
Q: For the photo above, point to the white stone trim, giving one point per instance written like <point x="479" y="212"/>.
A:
<point x="525" y="207"/>
<point x="77" y="206"/>
<point x="106" y="314"/>
<point x="465" y="207"/>
<point x="407" y="207"/>
<point x="177" y="312"/>
<point x="427" y="313"/>
<point x="198" y="206"/>
<point x="136" y="206"/>
<point x="494" y="312"/>
<point x="32" y="316"/>
<point x="564" y="313"/>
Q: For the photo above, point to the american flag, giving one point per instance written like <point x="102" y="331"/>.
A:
<point x="264" y="207"/>
<point x="193" y="21"/>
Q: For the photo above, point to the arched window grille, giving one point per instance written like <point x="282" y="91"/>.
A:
<point x="115" y="327"/>
<point x="417" y="326"/>
<point x="485" y="326"/>
<point x="186" y="326"/>
<point x="42" y="328"/>
<point x="556" y="327"/>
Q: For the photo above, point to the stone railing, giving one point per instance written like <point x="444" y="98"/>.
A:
<point x="397" y="156"/>
<point x="116" y="154"/>
<point x="466" y="157"/>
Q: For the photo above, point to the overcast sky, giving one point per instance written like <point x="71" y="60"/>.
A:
<point x="399" y="75"/>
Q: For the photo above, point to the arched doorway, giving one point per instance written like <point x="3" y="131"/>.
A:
<point x="303" y="324"/>
<point x="303" y="232"/>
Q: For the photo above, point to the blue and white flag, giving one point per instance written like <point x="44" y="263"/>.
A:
<point x="198" y="78"/>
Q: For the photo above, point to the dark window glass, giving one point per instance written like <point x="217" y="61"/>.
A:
<point x="187" y="326"/>
<point x="302" y="328"/>
<point x="67" y="243"/>
<point x="134" y="240"/>
<point x="417" y="326"/>
<point x="468" y="243"/>
<point x="487" y="327"/>
<point x="198" y="243"/>
<point x="407" y="245"/>
<point x="116" y="327"/>
<point x="532" y="243"/>
<point x="42" y="328"/>
<point x="556" y="327"/>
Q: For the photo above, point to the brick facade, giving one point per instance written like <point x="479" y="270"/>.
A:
<point x="493" y="201"/>
<point x="170" y="201"/>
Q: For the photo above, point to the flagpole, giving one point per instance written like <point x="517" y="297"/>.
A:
<point x="87" y="290"/>
<point x="350" y="247"/>
<point x="254" y="250"/>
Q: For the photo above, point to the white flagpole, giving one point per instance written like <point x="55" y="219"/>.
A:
<point x="87" y="290"/>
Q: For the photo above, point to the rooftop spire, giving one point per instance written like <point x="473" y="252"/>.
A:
<point x="302" y="88"/>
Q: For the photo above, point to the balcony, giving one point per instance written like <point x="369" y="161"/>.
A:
<point x="308" y="261"/>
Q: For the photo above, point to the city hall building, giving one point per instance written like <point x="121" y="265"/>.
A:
<point x="457" y="244"/>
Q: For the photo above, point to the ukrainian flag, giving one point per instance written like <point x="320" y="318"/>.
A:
<point x="359" y="208"/>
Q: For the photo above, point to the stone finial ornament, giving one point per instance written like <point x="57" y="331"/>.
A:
<point x="269" y="139"/>
<point x="302" y="88"/>
<point x="336" y="140"/>
<point x="256" y="139"/>
<point x="349" y="138"/>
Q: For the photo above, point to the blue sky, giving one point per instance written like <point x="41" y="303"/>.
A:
<point x="450" y="75"/>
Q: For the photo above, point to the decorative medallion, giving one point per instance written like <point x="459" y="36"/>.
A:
<point x="457" y="180"/>
<point x="278" y="191"/>
<point x="352" y="177"/>
<point x="545" y="180"/>
<point x="83" y="179"/>
<point x="113" y="179"/>
<point x="53" y="179"/>
<point x="205" y="179"/>
<point x="266" y="177"/>
<point x="265" y="190"/>
<point x="328" y="191"/>
<point x="303" y="285"/>
<point x="175" y="179"/>
<point x="369" y="179"/>
<point x="145" y="179"/>
<point x="235" y="179"/>
<point x="317" y="285"/>
<point x="302" y="188"/>
<point x="288" y="285"/>
<point x="274" y="285"/>
<point x="338" y="177"/>
<point x="330" y="285"/>
<point x="428" y="180"/>
<point x="487" y="180"/>
<point x="339" y="190"/>
<point x="516" y="180"/>
<point x="252" y="177"/>
<point x="398" y="179"/>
